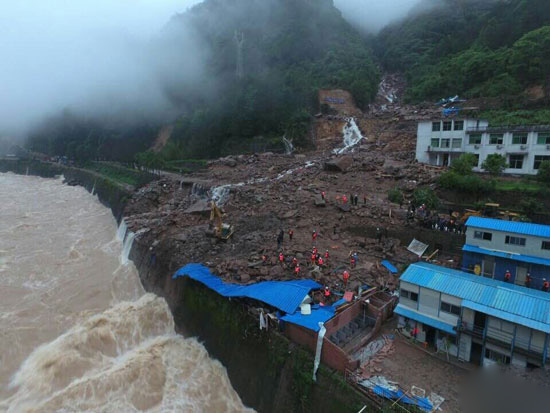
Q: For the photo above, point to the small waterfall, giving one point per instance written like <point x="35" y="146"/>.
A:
<point x="289" y="147"/>
<point x="220" y="194"/>
<point x="352" y="136"/>
<point x="126" y="248"/>
<point x="27" y="171"/>
<point x="93" y="189"/>
<point x="121" y="232"/>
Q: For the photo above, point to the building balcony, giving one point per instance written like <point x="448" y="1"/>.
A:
<point x="470" y="329"/>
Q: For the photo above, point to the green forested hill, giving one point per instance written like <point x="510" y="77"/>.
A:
<point x="291" y="49"/>
<point x="470" y="47"/>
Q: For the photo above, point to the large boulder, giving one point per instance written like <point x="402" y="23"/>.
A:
<point x="341" y="164"/>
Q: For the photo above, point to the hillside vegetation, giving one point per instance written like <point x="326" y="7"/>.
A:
<point x="291" y="48"/>
<point x="470" y="47"/>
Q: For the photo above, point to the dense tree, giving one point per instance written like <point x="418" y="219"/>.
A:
<point x="543" y="175"/>
<point x="494" y="164"/>
<point x="464" y="164"/>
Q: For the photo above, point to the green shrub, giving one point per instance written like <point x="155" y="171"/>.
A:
<point x="395" y="196"/>
<point x="426" y="196"/>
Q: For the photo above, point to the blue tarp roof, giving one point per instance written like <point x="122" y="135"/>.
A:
<point x="422" y="402"/>
<point x="421" y="318"/>
<point x="284" y="295"/>
<point x="389" y="266"/>
<point x="527" y="306"/>
<point x="318" y="314"/>
<point x="524" y="228"/>
<point x="501" y="254"/>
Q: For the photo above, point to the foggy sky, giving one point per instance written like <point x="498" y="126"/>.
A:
<point x="87" y="55"/>
<point x="372" y="15"/>
<point x="95" y="56"/>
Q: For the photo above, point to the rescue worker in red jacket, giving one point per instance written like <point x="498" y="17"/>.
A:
<point x="326" y="293"/>
<point x="353" y="261"/>
<point x="295" y="262"/>
<point x="507" y="276"/>
<point x="314" y="235"/>
<point x="297" y="270"/>
<point x="345" y="277"/>
<point x="323" y="195"/>
<point x="545" y="285"/>
<point x="281" y="258"/>
<point x="314" y="251"/>
<point x="327" y="255"/>
<point x="320" y="262"/>
<point x="290" y="234"/>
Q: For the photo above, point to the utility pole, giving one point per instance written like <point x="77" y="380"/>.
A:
<point x="239" y="40"/>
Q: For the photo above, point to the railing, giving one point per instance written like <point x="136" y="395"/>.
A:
<point x="471" y="329"/>
<point x="510" y="128"/>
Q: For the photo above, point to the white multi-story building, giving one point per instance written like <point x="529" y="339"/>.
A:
<point x="525" y="147"/>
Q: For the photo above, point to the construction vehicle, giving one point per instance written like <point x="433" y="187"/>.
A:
<point x="491" y="210"/>
<point x="217" y="228"/>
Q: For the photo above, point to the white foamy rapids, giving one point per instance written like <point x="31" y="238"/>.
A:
<point x="121" y="231"/>
<point x="126" y="248"/>
<point x="126" y="359"/>
<point x="220" y="194"/>
<point x="289" y="147"/>
<point x="74" y="333"/>
<point x="352" y="136"/>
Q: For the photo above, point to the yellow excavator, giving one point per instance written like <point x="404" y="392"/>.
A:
<point x="217" y="228"/>
<point x="490" y="210"/>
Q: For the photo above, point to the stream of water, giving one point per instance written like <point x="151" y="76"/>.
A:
<point x="77" y="330"/>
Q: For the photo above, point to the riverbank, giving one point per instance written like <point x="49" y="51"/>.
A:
<point x="270" y="373"/>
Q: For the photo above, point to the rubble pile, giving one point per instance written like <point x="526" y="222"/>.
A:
<point x="268" y="193"/>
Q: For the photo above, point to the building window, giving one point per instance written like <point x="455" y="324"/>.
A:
<point x="485" y="236"/>
<point x="457" y="143"/>
<point x="449" y="308"/>
<point x="516" y="162"/>
<point x="515" y="241"/>
<point x="498" y="357"/>
<point x="475" y="139"/>
<point x="545" y="245"/>
<point x="496" y="139"/>
<point x="445" y="143"/>
<point x="447" y="125"/>
<point x="459" y="125"/>
<point x="436" y="126"/>
<point x="519" y="139"/>
<point x="543" y="139"/>
<point x="435" y="143"/>
<point x="409" y="295"/>
<point x="540" y="159"/>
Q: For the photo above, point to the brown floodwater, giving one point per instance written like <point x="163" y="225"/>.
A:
<point x="77" y="330"/>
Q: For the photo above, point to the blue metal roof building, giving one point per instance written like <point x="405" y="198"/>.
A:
<point x="511" y="302"/>
<point x="523" y="228"/>
<point x="508" y="322"/>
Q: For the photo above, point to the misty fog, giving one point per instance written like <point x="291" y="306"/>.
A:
<point x="95" y="57"/>
<point x="372" y="15"/>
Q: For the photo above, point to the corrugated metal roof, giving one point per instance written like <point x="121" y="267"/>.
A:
<point x="502" y="254"/>
<point x="496" y="297"/>
<point x="284" y="295"/>
<point x="424" y="319"/>
<point x="524" y="228"/>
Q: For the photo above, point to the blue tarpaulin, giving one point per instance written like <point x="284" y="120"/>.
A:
<point x="422" y="402"/>
<point x="389" y="266"/>
<point x="318" y="314"/>
<point x="284" y="295"/>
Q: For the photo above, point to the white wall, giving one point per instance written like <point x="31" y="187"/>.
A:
<point x="532" y="244"/>
<point x="435" y="155"/>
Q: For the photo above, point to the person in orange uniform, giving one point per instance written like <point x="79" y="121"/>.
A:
<point x="281" y="258"/>
<point x="345" y="277"/>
